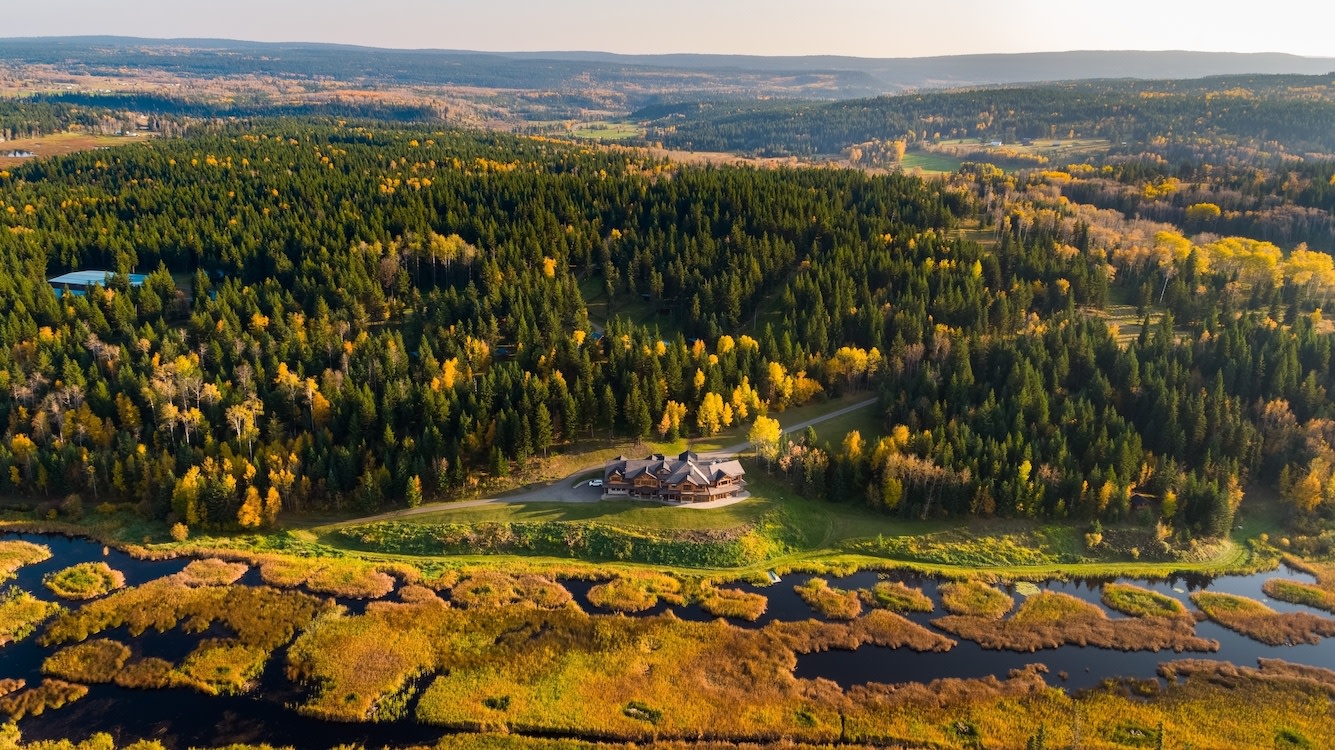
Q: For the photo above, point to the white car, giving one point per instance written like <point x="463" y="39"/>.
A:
<point x="595" y="483"/>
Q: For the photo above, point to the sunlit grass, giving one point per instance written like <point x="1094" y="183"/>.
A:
<point x="1259" y="622"/>
<point x="834" y="604"/>
<point x="84" y="581"/>
<point x="1140" y="602"/>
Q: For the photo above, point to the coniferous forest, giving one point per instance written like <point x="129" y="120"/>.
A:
<point x="357" y="317"/>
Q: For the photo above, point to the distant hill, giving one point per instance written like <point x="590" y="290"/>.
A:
<point x="642" y="79"/>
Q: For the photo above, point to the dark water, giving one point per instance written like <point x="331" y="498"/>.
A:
<point x="182" y="718"/>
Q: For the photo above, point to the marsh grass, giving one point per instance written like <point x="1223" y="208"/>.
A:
<point x="95" y="661"/>
<point x="1140" y="602"/>
<point x="726" y="602"/>
<point x="975" y="599"/>
<point x="223" y="665"/>
<point x="834" y="604"/>
<point x="16" y="553"/>
<point x="879" y="627"/>
<point x="34" y="701"/>
<point x="1293" y="592"/>
<point x="150" y="673"/>
<point x="84" y="581"/>
<point x="897" y="597"/>
<point x="259" y="616"/>
<point x="21" y="613"/>
<point x="212" y="572"/>
<point x="350" y="579"/>
<point x="490" y="589"/>
<point x="636" y="592"/>
<point x="1259" y="622"/>
<point x="1052" y="619"/>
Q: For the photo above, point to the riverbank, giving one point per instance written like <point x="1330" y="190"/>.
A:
<point x="775" y="530"/>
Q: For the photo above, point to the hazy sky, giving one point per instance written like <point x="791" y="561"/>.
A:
<point x="870" y="28"/>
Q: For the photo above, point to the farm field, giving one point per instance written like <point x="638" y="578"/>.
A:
<point x="59" y="144"/>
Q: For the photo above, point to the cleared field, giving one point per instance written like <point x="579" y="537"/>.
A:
<point x="929" y="162"/>
<point x="608" y="131"/>
<point x="59" y="144"/>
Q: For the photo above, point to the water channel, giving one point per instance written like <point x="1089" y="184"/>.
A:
<point x="181" y="718"/>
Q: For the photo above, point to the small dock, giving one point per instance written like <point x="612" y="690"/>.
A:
<point x="772" y="576"/>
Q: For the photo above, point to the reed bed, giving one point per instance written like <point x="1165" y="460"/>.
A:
<point x="259" y="616"/>
<point x="491" y="588"/>
<point x="223" y="666"/>
<point x="1135" y="601"/>
<point x="21" y="613"/>
<point x="95" y="661"/>
<point x="636" y="592"/>
<point x="879" y="627"/>
<point x="350" y="579"/>
<point x="833" y="604"/>
<point x="16" y="553"/>
<point x="1051" y="619"/>
<point x="975" y="599"/>
<point x="896" y="597"/>
<point x="725" y="602"/>
<point x="1259" y="622"/>
<point x="212" y="572"/>
<point x="34" y="701"/>
<point x="1305" y="594"/>
<point x="84" y="581"/>
<point x="150" y="673"/>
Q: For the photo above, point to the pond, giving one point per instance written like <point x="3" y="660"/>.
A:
<point x="180" y="717"/>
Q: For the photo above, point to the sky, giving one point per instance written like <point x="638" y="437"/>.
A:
<point x="865" y="28"/>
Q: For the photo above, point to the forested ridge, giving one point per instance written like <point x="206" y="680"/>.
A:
<point x="380" y="315"/>
<point x="1290" y="109"/>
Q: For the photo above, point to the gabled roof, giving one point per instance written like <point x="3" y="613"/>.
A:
<point x="688" y="467"/>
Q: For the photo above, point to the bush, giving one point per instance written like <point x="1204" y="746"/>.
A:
<point x="179" y="532"/>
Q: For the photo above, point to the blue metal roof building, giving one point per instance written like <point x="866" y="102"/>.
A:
<point x="79" y="282"/>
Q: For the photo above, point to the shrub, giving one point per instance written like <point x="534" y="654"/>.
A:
<point x="179" y="532"/>
<point x="84" y="581"/>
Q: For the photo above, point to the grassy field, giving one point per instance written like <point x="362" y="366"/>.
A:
<point x="608" y="131"/>
<point x="59" y="144"/>
<point x="930" y="162"/>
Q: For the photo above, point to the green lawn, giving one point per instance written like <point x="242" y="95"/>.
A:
<point x="622" y="514"/>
